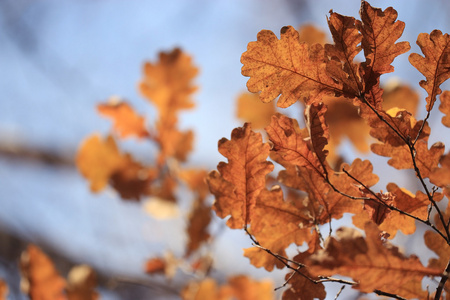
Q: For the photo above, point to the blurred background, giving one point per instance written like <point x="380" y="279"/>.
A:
<point x="59" y="59"/>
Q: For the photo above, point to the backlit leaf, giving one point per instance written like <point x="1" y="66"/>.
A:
<point x="238" y="183"/>
<point x="251" y="109"/>
<point x="126" y="121"/>
<point x="374" y="264"/>
<point x="288" y="67"/>
<point x="435" y="66"/>
<point x="40" y="279"/>
<point x="445" y="107"/>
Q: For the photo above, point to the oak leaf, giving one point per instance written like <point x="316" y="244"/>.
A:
<point x="168" y="83"/>
<point x="238" y="183"/>
<point x="346" y="46"/>
<point x="311" y="35"/>
<point x="82" y="282"/>
<point x="290" y="222"/>
<point x="40" y="279"/>
<point x="444" y="107"/>
<point x="318" y="130"/>
<point x="97" y="160"/>
<point x="416" y="205"/>
<point x="440" y="176"/>
<point x="198" y="222"/>
<point x="380" y="30"/>
<point x="125" y="120"/>
<point x="374" y="264"/>
<point x="238" y="287"/>
<point x="288" y="67"/>
<point x="251" y="109"/>
<point x="435" y="66"/>
<point x="293" y="146"/>
<point x="4" y="290"/>
<point x="426" y="159"/>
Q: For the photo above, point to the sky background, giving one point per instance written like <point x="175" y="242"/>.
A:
<point x="59" y="59"/>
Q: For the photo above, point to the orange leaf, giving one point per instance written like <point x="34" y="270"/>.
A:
<point x="346" y="39"/>
<point x="251" y="109"/>
<point x="435" y="66"/>
<point x="155" y="265"/>
<point x="437" y="244"/>
<point x="82" y="282"/>
<point x="416" y="205"/>
<point x="318" y="130"/>
<point x="445" y="108"/>
<point x="244" y="288"/>
<point x="40" y="278"/>
<point x="440" y="176"/>
<point x="287" y="67"/>
<point x="168" y="83"/>
<point x="311" y="35"/>
<point x="380" y="31"/>
<point x="302" y="288"/>
<point x="199" y="220"/>
<point x="374" y="264"/>
<point x="126" y="121"/>
<point x="426" y="159"/>
<point x="289" y="223"/>
<point x="3" y="290"/>
<point x="239" y="182"/>
<point x="290" y="144"/>
<point x="97" y="160"/>
<point x="401" y="96"/>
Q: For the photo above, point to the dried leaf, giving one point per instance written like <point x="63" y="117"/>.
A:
<point x="82" y="282"/>
<point x="440" y="176"/>
<point x="426" y="159"/>
<point x="346" y="46"/>
<point x="289" y="223"/>
<point x="155" y="265"/>
<point x="161" y="209"/>
<point x="251" y="109"/>
<point x="167" y="265"/>
<point x="239" y="182"/>
<point x="3" y="290"/>
<point x="380" y="30"/>
<point x="445" y="108"/>
<point x="416" y="205"/>
<point x="318" y="130"/>
<point x="290" y="144"/>
<point x="287" y="67"/>
<point x="311" y="35"/>
<point x="125" y="120"/>
<point x="168" y="83"/>
<point x="435" y="66"/>
<point x="40" y="280"/>
<point x="198" y="221"/>
<point x="370" y="262"/>
<point x="97" y="160"/>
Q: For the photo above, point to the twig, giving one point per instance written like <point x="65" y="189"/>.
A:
<point x="287" y="280"/>
<point x="426" y="222"/>
<point x="381" y="293"/>
<point x="339" y="293"/>
<point x="442" y="282"/>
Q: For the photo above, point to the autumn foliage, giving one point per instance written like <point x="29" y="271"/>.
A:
<point x="339" y="89"/>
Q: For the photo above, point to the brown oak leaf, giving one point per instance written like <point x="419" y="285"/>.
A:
<point x="288" y="67"/>
<point x="435" y="66"/>
<point x="237" y="184"/>
<point x="444" y="107"/>
<point x="251" y="109"/>
<point x="125" y="120"/>
<point x="374" y="264"/>
<point x="40" y="279"/>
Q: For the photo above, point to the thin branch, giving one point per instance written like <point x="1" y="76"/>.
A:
<point x="381" y="293"/>
<point x="426" y="222"/>
<point x="442" y="282"/>
<point x="287" y="280"/>
<point x="339" y="293"/>
<point x="412" y="150"/>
